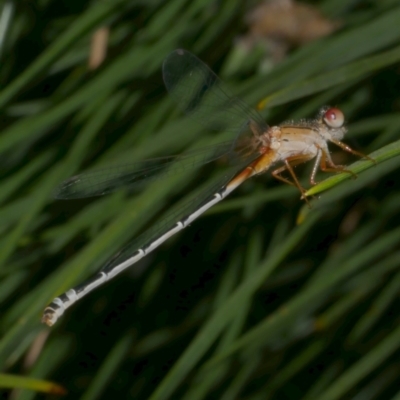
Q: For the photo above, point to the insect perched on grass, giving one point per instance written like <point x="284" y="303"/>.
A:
<point x="256" y="147"/>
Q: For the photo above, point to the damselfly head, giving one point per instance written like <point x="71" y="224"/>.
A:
<point x="333" y="119"/>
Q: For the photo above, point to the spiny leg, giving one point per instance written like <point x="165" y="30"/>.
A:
<point x="347" y="148"/>
<point x="332" y="167"/>
<point x="289" y="162"/>
<point x="316" y="166"/>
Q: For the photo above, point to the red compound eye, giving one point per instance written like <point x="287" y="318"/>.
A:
<point x="333" y="117"/>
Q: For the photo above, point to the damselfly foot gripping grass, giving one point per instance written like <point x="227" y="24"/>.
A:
<point x="255" y="148"/>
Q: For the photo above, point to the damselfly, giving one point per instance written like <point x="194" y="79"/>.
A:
<point x="255" y="148"/>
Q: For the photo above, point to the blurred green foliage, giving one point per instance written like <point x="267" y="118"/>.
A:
<point x="245" y="304"/>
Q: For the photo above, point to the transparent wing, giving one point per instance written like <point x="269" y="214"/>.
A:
<point x="203" y="96"/>
<point x="167" y="222"/>
<point x="136" y="175"/>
